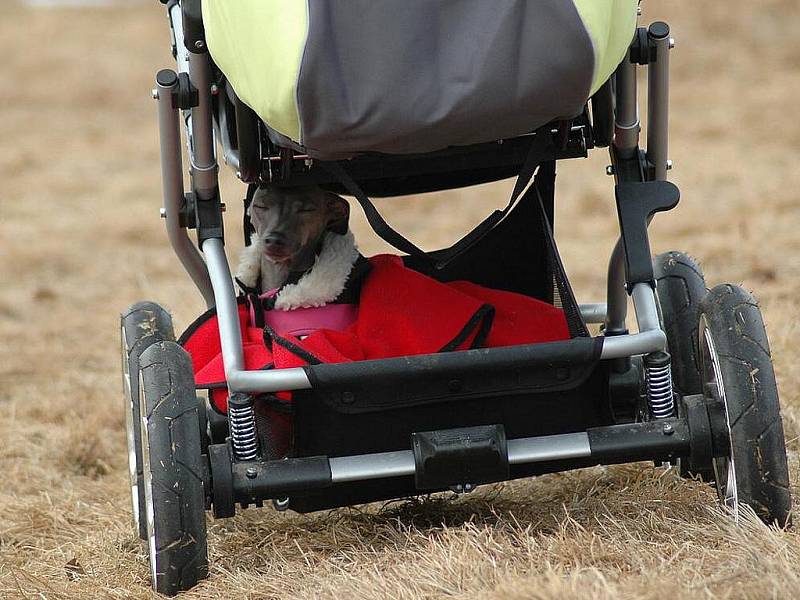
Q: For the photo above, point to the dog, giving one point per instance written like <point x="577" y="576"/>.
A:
<point x="301" y="251"/>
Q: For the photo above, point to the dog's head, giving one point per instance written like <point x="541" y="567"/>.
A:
<point x="290" y="222"/>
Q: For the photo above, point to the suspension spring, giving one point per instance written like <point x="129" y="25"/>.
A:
<point x="242" y="424"/>
<point x="658" y="371"/>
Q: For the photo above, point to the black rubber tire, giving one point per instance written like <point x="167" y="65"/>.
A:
<point x="142" y="325"/>
<point x="680" y="286"/>
<point x="733" y="319"/>
<point x="173" y="469"/>
<point x="202" y="418"/>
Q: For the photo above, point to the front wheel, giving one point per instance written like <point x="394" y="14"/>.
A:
<point x="142" y="325"/>
<point x="736" y="371"/>
<point x="172" y="465"/>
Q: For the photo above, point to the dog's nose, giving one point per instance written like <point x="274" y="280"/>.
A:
<point x="275" y="240"/>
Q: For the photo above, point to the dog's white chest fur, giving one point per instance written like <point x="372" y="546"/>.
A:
<point x="323" y="283"/>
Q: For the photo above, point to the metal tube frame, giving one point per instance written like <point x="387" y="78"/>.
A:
<point x="213" y="276"/>
<point x="626" y="146"/>
<point x="626" y="118"/>
<point x="172" y="190"/>
<point x="665" y="440"/>
<point x="545" y="448"/>
<point x="658" y="101"/>
<point x="522" y="451"/>
<point x="202" y="145"/>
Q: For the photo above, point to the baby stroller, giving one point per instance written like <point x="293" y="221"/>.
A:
<point x="383" y="99"/>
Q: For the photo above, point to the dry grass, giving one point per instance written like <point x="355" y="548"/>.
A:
<point x="80" y="240"/>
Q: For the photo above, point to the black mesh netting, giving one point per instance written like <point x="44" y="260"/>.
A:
<point x="519" y="254"/>
<point x="274" y="426"/>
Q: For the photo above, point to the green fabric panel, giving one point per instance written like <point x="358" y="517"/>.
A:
<point x="611" y="25"/>
<point x="266" y="79"/>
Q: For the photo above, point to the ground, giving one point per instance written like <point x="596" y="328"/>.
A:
<point x="80" y="239"/>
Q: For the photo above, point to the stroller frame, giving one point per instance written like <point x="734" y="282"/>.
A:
<point x="689" y="428"/>
<point x="212" y="276"/>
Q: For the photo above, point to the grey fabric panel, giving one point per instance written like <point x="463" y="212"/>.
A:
<point x="419" y="75"/>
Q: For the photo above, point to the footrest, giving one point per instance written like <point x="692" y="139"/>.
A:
<point x="466" y="457"/>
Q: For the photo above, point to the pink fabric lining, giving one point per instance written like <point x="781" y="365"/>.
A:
<point x="305" y="321"/>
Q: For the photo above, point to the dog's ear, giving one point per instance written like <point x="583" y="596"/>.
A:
<point x="338" y="213"/>
<point x="255" y="215"/>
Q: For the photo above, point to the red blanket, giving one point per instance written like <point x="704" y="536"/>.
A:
<point x="401" y="312"/>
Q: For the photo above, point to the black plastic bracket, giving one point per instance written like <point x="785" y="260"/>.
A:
<point x="254" y="481"/>
<point x="603" y="115"/>
<point x="194" y="34"/>
<point x="625" y="383"/>
<point x="664" y="439"/>
<point x="185" y="95"/>
<point x="640" y="48"/>
<point x="186" y="216"/>
<point x="643" y="48"/>
<point x="720" y="434"/>
<point x="465" y="456"/>
<point x="633" y="168"/>
<point x="208" y="218"/>
<point x="701" y="446"/>
<point x="636" y="204"/>
<point x="222" y="497"/>
<point x="217" y="424"/>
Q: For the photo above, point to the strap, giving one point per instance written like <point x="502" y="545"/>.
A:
<point x="247" y="226"/>
<point x="540" y="147"/>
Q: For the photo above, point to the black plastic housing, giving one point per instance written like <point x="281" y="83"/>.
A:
<point x="465" y="456"/>
<point x="636" y="205"/>
<point x="194" y="34"/>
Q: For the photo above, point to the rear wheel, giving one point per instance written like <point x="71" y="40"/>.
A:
<point x="172" y="465"/>
<point x="680" y="286"/>
<point x="142" y="325"/>
<point x="736" y="371"/>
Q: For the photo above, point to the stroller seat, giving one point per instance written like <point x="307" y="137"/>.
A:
<point x="342" y="77"/>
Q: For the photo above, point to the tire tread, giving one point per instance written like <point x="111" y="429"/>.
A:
<point x="144" y="323"/>
<point x="734" y="318"/>
<point x="680" y="287"/>
<point x="175" y="461"/>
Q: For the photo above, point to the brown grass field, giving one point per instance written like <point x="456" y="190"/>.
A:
<point x="80" y="239"/>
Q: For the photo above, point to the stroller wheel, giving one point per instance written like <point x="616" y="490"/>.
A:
<point x="736" y="371"/>
<point x="141" y="325"/>
<point x="172" y="469"/>
<point x="680" y="288"/>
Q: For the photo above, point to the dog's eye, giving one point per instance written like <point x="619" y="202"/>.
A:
<point x="307" y="209"/>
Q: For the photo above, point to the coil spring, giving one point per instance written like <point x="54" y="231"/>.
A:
<point x="658" y="368"/>
<point x="242" y="423"/>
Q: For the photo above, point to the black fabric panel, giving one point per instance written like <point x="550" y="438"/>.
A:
<point x="321" y="428"/>
<point x="512" y="257"/>
<point x="371" y="385"/>
<point x="323" y="431"/>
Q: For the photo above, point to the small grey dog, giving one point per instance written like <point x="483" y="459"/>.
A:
<point x="301" y="246"/>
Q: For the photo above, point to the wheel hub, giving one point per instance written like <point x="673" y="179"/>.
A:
<point x="714" y="387"/>
<point x="129" y="431"/>
<point x="147" y="480"/>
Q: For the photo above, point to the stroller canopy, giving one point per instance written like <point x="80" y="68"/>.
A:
<point x="341" y="77"/>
